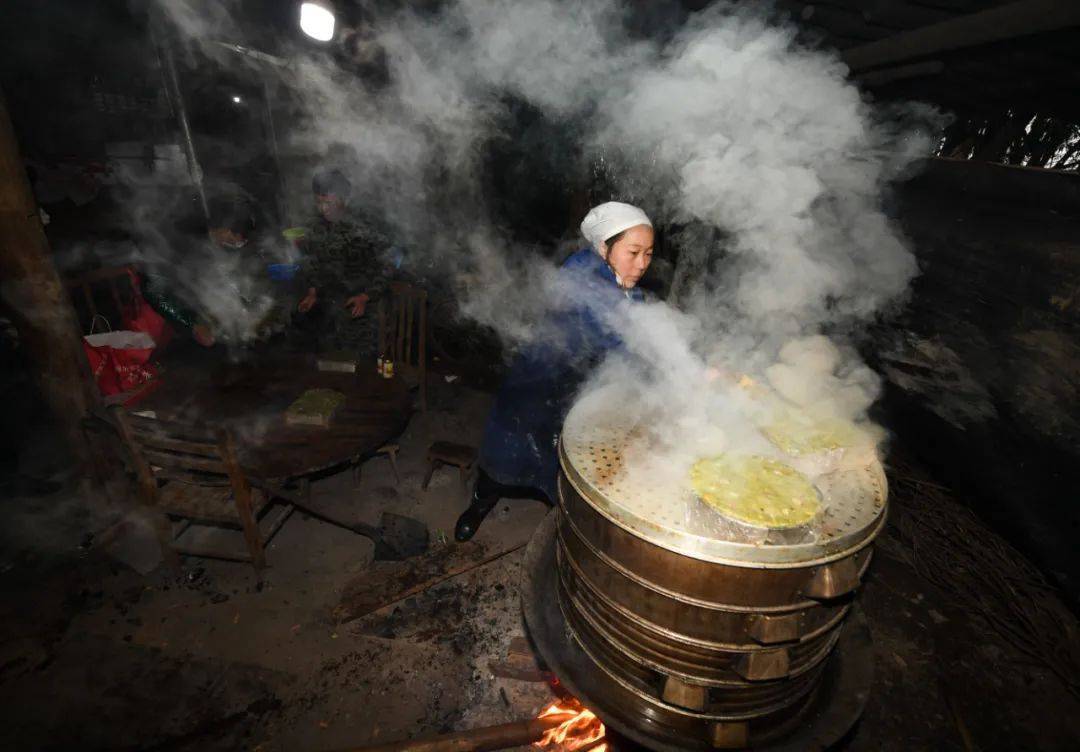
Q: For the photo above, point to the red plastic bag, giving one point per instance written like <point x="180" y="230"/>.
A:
<point x="141" y="316"/>
<point x="120" y="360"/>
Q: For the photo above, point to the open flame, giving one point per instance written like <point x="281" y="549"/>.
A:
<point x="581" y="731"/>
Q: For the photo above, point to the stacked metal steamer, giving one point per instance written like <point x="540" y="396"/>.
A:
<point x="703" y="638"/>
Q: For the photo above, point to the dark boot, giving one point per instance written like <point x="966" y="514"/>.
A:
<point x="485" y="496"/>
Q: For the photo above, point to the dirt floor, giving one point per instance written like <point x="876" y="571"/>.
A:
<point x="95" y="656"/>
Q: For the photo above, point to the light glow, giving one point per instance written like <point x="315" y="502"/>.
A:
<point x="582" y="732"/>
<point x="317" y="21"/>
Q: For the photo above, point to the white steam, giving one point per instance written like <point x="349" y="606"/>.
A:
<point x="763" y="159"/>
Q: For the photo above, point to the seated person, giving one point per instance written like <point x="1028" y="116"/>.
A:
<point x="345" y="272"/>
<point x="211" y="287"/>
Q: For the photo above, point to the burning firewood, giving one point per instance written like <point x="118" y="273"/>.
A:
<point x="484" y="739"/>
<point x="581" y="730"/>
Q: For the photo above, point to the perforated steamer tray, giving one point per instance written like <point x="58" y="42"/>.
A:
<point x="593" y="454"/>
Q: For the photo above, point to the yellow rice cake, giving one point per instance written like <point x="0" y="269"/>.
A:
<point x="802" y="436"/>
<point x="756" y="490"/>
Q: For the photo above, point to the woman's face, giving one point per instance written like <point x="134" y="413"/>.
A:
<point x="631" y="254"/>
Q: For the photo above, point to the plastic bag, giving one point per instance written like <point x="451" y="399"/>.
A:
<point x="120" y="360"/>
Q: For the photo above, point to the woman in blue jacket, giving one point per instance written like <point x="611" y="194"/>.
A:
<point x="518" y="456"/>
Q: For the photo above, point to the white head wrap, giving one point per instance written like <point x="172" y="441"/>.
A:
<point x="610" y="219"/>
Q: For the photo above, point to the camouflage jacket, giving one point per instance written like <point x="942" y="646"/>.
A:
<point x="345" y="258"/>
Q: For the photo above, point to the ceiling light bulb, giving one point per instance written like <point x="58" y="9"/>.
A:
<point x="236" y="99"/>
<point x="317" y="21"/>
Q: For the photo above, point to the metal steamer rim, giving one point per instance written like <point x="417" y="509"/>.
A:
<point x="822" y="652"/>
<point x="645" y="697"/>
<point x="834" y="705"/>
<point x="591" y="454"/>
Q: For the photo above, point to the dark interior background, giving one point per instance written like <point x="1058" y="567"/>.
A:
<point x="982" y="367"/>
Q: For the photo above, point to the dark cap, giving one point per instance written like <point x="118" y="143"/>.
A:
<point x="232" y="213"/>
<point x="331" y="183"/>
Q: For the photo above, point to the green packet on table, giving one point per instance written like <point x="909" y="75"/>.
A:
<point x="294" y="233"/>
<point x="315" y="407"/>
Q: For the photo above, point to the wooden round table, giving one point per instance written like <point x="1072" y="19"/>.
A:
<point x="250" y="399"/>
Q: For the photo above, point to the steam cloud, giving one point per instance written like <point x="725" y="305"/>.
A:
<point x="223" y="289"/>
<point x="767" y="165"/>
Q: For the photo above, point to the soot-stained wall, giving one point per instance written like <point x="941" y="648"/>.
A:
<point x="983" y="365"/>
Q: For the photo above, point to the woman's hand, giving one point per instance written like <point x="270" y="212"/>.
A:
<point x="308" y="301"/>
<point x="356" y="304"/>
<point x="203" y="334"/>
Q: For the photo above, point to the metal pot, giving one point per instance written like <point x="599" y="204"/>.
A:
<point x="702" y="639"/>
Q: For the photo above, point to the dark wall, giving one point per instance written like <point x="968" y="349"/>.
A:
<point x="983" y="366"/>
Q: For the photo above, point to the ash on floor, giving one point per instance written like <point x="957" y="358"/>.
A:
<point x="94" y="655"/>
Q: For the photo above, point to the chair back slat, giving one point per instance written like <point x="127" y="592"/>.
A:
<point x="421" y="343"/>
<point x="185" y="476"/>
<point x="401" y="302"/>
<point x="183" y="461"/>
<point x="403" y="333"/>
<point x="89" y="302"/>
<point x="165" y="443"/>
<point x="382" y="327"/>
<point x="143" y="425"/>
<point x="403" y="325"/>
<point x="166" y="449"/>
<point x="90" y="284"/>
<point x="115" y="294"/>
<point x="408" y="333"/>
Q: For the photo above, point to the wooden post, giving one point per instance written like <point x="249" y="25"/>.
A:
<point x="422" y="362"/>
<point x="35" y="299"/>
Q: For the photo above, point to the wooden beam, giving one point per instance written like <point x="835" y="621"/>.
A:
<point x="955" y="6"/>
<point x="844" y="21"/>
<point x="898" y="15"/>
<point x="819" y="35"/>
<point x="37" y="301"/>
<point x="1004" y="22"/>
<point x="834" y="22"/>
<point x="884" y="76"/>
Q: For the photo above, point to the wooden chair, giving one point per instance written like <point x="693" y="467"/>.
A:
<point x="403" y="334"/>
<point x="86" y="295"/>
<point x="191" y="476"/>
<point x="448" y="453"/>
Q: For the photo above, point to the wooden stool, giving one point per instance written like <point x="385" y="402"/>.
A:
<point x="387" y="450"/>
<point x="447" y="453"/>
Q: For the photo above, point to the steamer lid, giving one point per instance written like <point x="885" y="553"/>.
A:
<point x="601" y="456"/>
